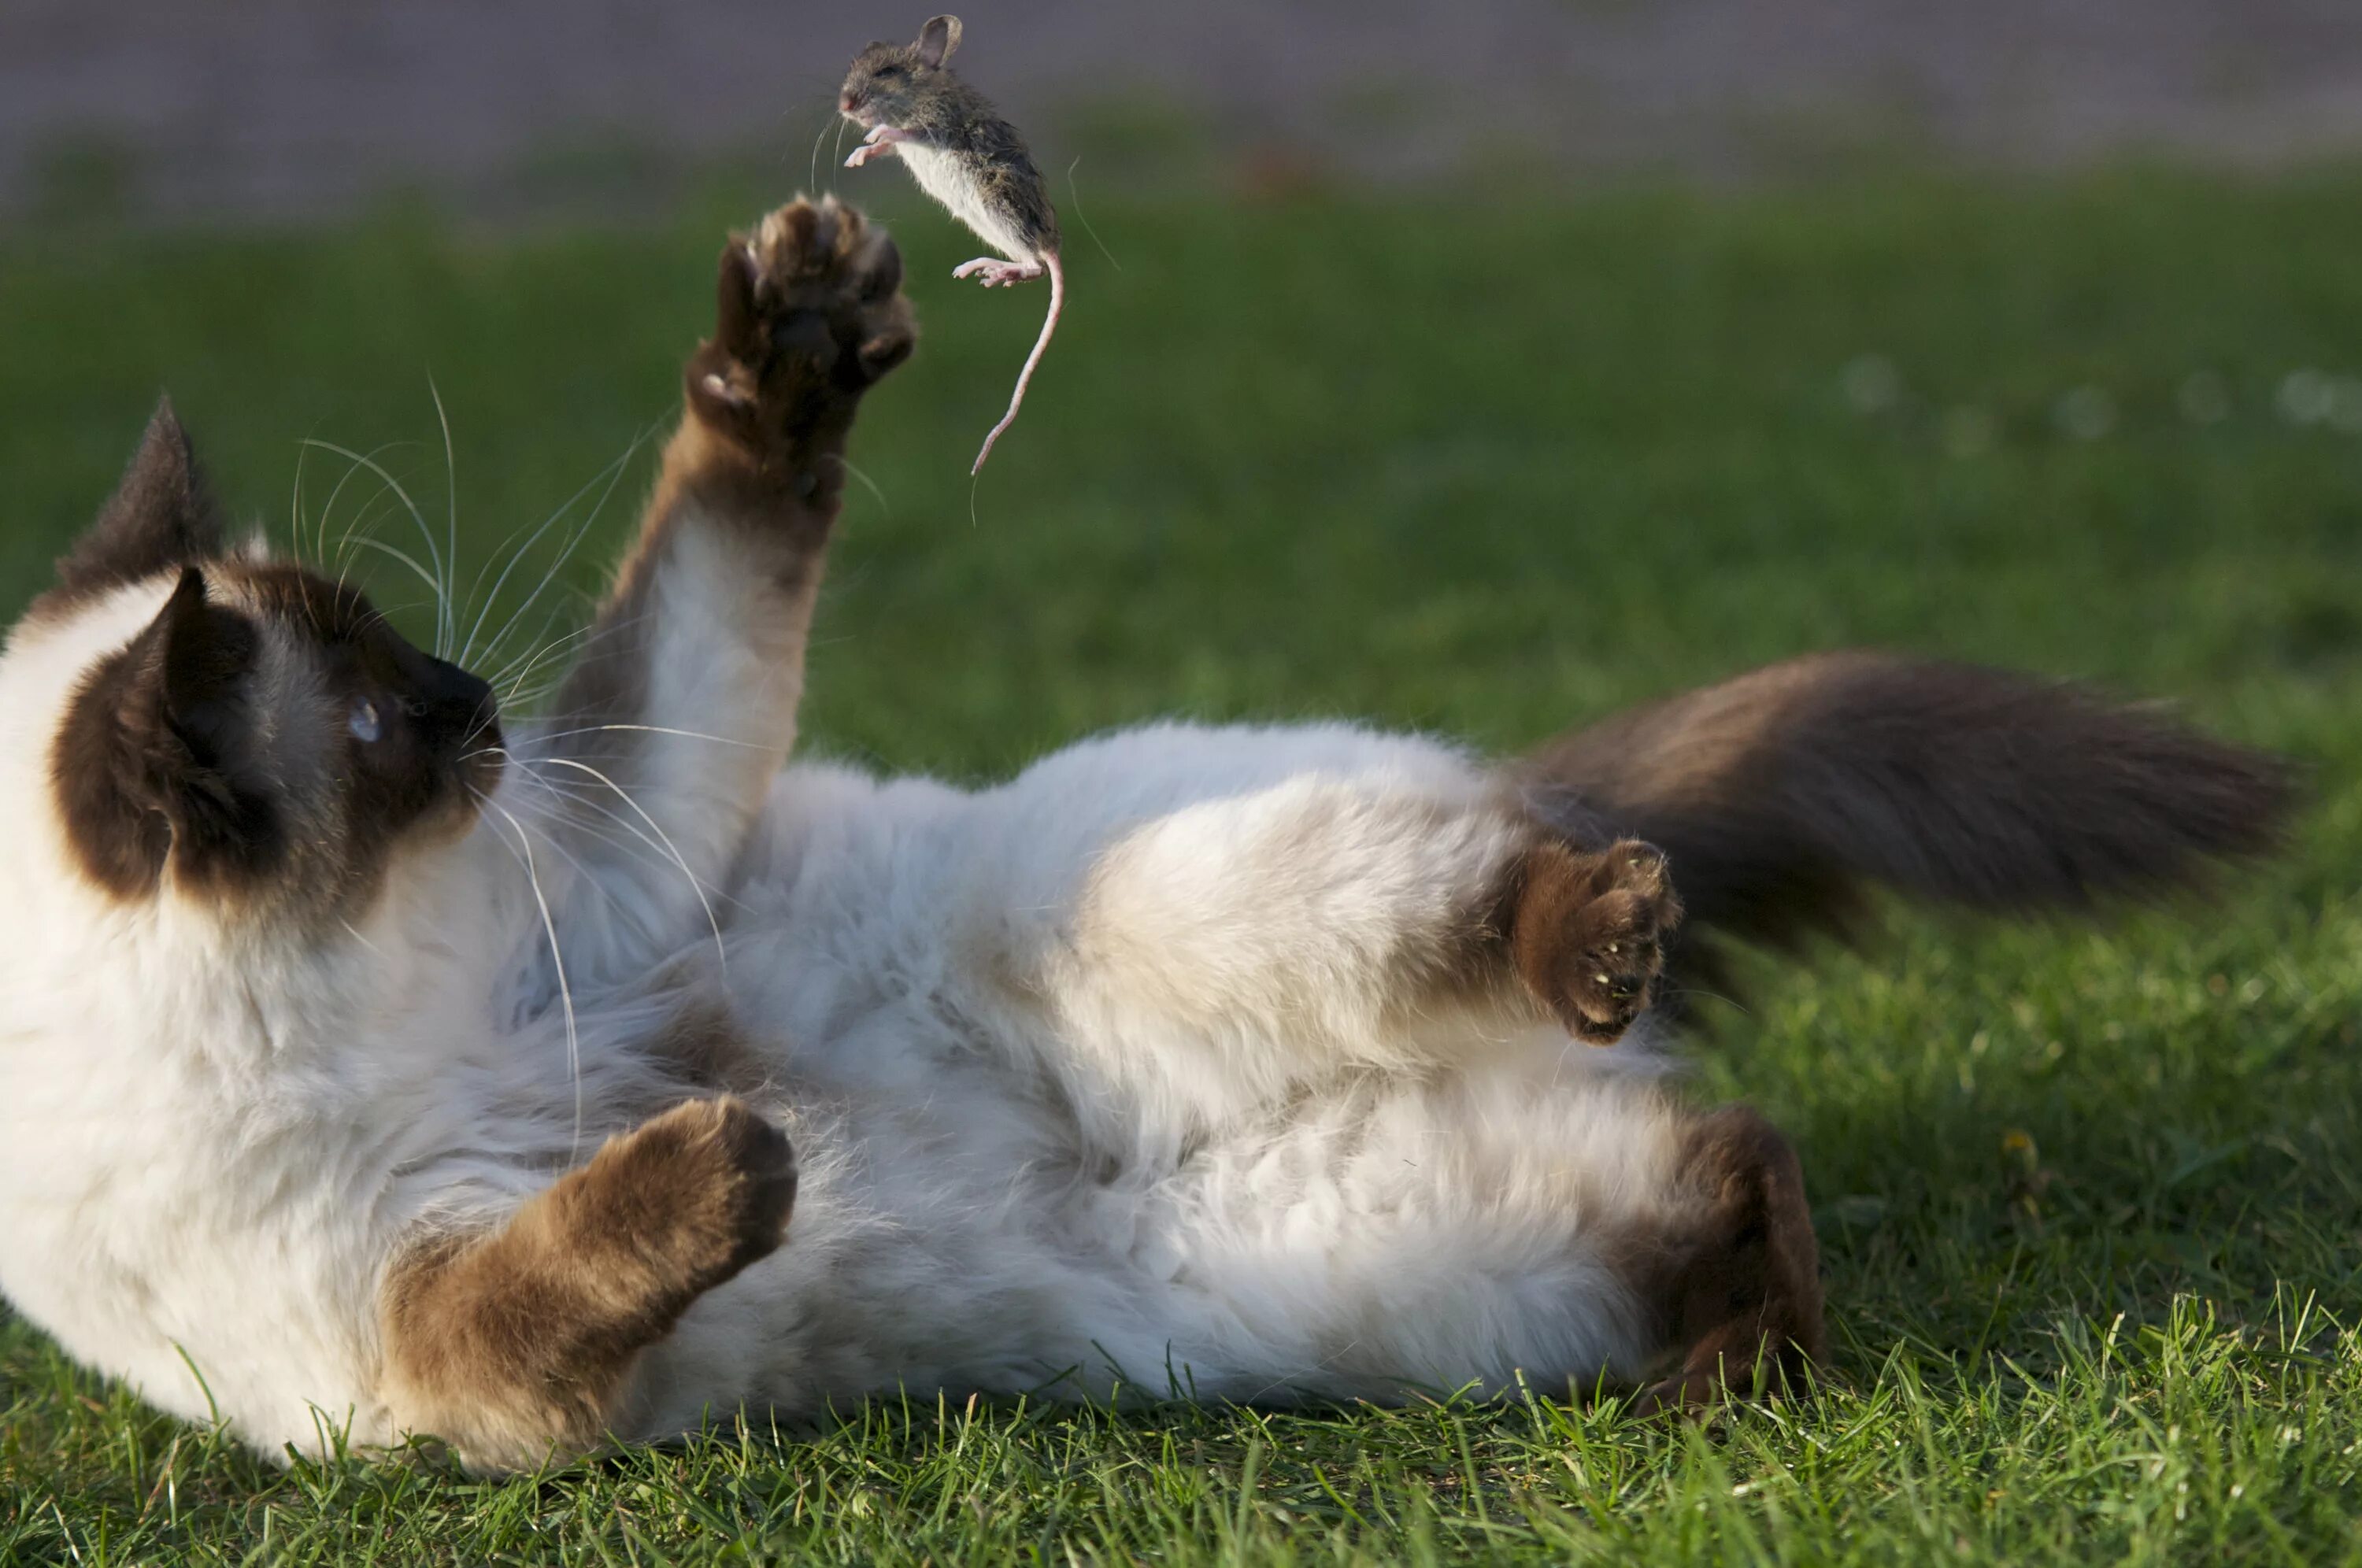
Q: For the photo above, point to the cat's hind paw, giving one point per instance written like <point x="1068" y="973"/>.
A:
<point x="1588" y="933"/>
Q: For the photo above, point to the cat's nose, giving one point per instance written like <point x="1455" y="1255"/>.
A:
<point x="461" y="696"/>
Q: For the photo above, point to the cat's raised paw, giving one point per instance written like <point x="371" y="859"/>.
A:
<point x="1588" y="933"/>
<point x="808" y="315"/>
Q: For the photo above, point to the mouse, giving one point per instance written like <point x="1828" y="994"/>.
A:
<point x="967" y="157"/>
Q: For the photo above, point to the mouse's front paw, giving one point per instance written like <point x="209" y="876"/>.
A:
<point x="809" y="315"/>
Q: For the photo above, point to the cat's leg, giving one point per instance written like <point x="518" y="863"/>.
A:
<point x="681" y="705"/>
<point x="518" y="1343"/>
<point x="1382" y="1241"/>
<point x="1735" y="1287"/>
<point x="1221" y="953"/>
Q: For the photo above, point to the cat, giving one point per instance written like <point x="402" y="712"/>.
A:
<point x="377" y="1067"/>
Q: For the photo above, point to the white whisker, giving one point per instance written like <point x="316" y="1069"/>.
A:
<point x="719" y="952"/>
<point x="613" y="473"/>
<point x="329" y="510"/>
<point x="405" y="558"/>
<point x="557" y="961"/>
<point x="652" y="854"/>
<point x="447" y="625"/>
<point x="847" y="464"/>
<point x="653" y="730"/>
<point x="434" y="548"/>
<point x="517" y="669"/>
<point x="811" y="176"/>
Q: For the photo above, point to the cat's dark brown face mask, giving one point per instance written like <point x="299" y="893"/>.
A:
<point x="267" y="740"/>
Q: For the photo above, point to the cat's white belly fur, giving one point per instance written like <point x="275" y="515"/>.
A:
<point x="999" y="1194"/>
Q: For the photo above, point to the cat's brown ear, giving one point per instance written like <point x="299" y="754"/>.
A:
<point x="160" y="516"/>
<point x="937" y="39"/>
<point x="151" y="762"/>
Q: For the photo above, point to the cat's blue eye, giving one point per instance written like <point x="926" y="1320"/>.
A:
<point x="363" y="721"/>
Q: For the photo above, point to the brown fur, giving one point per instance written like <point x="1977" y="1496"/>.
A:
<point x="808" y="318"/>
<point x="1585" y="930"/>
<point x="705" y="1045"/>
<point x="911" y="87"/>
<point x="173" y="753"/>
<point x="518" y="1344"/>
<point x="1735" y="1290"/>
<point x="522" y="1341"/>
<point x="1783" y="796"/>
<point x="161" y="517"/>
<point x="138" y="766"/>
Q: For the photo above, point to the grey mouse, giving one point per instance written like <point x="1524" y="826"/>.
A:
<point x="965" y="156"/>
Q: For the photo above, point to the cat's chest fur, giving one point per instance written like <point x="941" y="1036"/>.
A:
<point x="222" y="1166"/>
<point x="159" y="1204"/>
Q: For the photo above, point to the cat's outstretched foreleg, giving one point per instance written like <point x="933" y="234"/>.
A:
<point x="682" y="704"/>
<point x="517" y="1343"/>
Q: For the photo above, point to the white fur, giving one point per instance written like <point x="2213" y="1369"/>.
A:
<point x="1105" y="1075"/>
<point x="950" y="177"/>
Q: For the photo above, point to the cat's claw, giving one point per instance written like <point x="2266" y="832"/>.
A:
<point x="808" y="315"/>
<point x="1588" y="933"/>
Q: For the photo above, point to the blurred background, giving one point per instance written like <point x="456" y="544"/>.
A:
<point x="244" y="108"/>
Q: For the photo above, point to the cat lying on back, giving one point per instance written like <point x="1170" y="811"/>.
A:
<point x="372" y="1069"/>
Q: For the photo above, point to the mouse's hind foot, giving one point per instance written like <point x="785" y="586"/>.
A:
<point x="992" y="271"/>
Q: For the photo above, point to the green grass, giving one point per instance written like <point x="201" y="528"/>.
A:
<point x="1487" y="469"/>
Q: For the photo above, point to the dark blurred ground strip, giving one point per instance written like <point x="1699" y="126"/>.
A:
<point x="238" y="109"/>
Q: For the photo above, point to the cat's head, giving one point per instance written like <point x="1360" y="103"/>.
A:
<point x="222" y="727"/>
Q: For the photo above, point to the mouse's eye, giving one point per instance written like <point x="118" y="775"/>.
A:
<point x="888" y="72"/>
<point x="363" y="721"/>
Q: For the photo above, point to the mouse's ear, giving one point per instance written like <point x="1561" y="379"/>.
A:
<point x="937" y="39"/>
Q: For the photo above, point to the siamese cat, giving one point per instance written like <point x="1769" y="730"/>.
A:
<point x="377" y="1066"/>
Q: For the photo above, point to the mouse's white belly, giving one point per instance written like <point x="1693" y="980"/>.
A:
<point x="950" y="179"/>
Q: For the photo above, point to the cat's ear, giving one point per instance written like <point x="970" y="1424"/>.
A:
<point x="153" y="758"/>
<point x="937" y="39"/>
<point x="198" y="658"/>
<point x="159" y="517"/>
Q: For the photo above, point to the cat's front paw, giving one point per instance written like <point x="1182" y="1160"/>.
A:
<point x="809" y="315"/>
<point x="1589" y="931"/>
<point x="707" y="1187"/>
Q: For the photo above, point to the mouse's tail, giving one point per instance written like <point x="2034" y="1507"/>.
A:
<point x="1048" y="326"/>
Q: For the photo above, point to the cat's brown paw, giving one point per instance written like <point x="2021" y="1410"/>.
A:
<point x="518" y="1342"/>
<point x="809" y="315"/>
<point x="1588" y="931"/>
<point x="707" y="1186"/>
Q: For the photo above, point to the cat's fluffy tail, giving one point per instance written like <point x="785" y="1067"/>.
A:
<point x="1784" y="796"/>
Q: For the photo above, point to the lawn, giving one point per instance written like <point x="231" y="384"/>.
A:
<point x="2089" y="1200"/>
